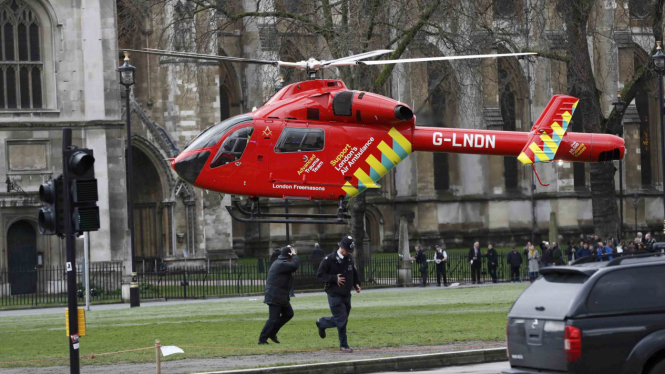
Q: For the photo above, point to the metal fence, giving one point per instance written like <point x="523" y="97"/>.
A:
<point x="458" y="269"/>
<point x="48" y="286"/>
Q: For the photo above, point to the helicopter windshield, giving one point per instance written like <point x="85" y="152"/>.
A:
<point x="212" y="134"/>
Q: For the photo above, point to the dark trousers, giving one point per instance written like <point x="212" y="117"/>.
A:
<point x="515" y="273"/>
<point x="340" y="306"/>
<point x="441" y="272"/>
<point x="492" y="271"/>
<point x="278" y="317"/>
<point x="423" y="274"/>
<point x="475" y="272"/>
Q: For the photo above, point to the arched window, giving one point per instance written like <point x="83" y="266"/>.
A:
<point x="21" y="65"/>
<point x="507" y="104"/>
<point x="437" y="99"/>
<point x="639" y="8"/>
<point x="642" y="104"/>
<point x="504" y="8"/>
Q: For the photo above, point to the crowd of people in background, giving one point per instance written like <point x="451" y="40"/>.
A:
<point x="537" y="257"/>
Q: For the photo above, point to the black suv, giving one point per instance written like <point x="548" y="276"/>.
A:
<point x="597" y="317"/>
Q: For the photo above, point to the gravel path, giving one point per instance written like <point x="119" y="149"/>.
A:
<point x="237" y="362"/>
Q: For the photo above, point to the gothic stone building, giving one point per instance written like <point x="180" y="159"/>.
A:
<point x="58" y="66"/>
<point x="447" y="198"/>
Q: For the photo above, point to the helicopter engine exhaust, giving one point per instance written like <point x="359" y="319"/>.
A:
<point x="403" y="113"/>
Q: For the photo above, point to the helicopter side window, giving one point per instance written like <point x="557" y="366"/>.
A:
<point x="211" y="135"/>
<point x="300" y="140"/>
<point x="233" y="147"/>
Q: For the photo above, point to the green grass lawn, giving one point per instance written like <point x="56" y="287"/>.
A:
<point x="380" y="319"/>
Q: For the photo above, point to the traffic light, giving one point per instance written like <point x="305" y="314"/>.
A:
<point x="82" y="188"/>
<point x="51" y="215"/>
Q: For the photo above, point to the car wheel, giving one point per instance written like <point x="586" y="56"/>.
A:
<point x="659" y="368"/>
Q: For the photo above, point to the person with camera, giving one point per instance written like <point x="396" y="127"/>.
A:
<point x="340" y="276"/>
<point x="278" y="287"/>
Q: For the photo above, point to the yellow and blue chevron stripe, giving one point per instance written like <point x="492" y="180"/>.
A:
<point x="544" y="140"/>
<point x="390" y="157"/>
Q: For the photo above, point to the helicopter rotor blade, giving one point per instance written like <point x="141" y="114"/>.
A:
<point x="352" y="60"/>
<point x="442" y="58"/>
<point x="200" y="56"/>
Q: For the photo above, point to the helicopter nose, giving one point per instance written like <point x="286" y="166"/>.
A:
<point x="189" y="167"/>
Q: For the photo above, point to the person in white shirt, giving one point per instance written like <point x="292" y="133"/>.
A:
<point x="440" y="257"/>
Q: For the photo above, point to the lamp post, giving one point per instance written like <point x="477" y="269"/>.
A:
<point x="659" y="65"/>
<point x="127" y="72"/>
<point x="619" y="110"/>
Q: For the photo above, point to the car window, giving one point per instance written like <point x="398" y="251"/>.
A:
<point x="300" y="140"/>
<point x="233" y="147"/>
<point x="633" y="289"/>
<point x="550" y="296"/>
<point x="211" y="135"/>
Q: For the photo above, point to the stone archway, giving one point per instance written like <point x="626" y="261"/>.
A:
<point x="153" y="210"/>
<point x="22" y="257"/>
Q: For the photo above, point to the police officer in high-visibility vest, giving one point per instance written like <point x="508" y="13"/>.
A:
<point x="340" y="276"/>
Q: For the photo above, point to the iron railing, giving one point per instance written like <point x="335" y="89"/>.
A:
<point x="48" y="286"/>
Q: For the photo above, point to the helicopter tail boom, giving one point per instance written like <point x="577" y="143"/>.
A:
<point x="575" y="147"/>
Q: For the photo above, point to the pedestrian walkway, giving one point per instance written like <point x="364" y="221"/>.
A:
<point x="148" y="304"/>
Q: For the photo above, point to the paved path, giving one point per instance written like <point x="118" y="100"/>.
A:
<point x="493" y="368"/>
<point x="194" y="365"/>
<point x="145" y="304"/>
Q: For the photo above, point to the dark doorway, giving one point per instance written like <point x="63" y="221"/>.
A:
<point x="150" y="215"/>
<point x="224" y="104"/>
<point x="22" y="258"/>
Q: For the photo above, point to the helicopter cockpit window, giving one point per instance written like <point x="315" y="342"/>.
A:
<point x="233" y="147"/>
<point x="211" y="135"/>
<point x="300" y="140"/>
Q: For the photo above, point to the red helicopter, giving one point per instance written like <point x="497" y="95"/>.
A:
<point x="318" y="140"/>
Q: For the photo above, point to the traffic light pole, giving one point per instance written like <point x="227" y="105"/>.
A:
<point x="73" y="337"/>
<point x="133" y="287"/>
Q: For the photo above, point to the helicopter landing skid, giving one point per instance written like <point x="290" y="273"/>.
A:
<point x="255" y="215"/>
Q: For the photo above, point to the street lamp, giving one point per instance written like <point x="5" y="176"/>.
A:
<point x="127" y="73"/>
<point x="659" y="66"/>
<point x="619" y="110"/>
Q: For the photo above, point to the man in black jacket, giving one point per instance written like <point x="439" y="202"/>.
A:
<point x="492" y="262"/>
<point x="278" y="285"/>
<point x="514" y="261"/>
<point x="421" y="259"/>
<point x="340" y="276"/>
<point x="474" y="260"/>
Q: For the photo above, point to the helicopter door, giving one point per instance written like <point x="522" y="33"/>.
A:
<point x="300" y="156"/>
<point x="234" y="153"/>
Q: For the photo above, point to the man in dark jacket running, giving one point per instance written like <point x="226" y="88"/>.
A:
<point x="278" y="285"/>
<point x="340" y="276"/>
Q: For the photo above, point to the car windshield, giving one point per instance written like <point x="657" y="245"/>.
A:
<point x="212" y="134"/>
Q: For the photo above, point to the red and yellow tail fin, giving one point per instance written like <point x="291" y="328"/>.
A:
<point x="548" y="131"/>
